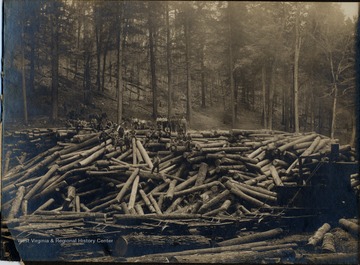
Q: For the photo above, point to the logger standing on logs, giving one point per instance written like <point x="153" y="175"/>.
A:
<point x="167" y="132"/>
<point x="188" y="142"/>
<point x="127" y="141"/>
<point x="183" y="124"/>
<point x="156" y="164"/>
<point x="120" y="137"/>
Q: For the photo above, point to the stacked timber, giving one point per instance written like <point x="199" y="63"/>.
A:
<point x="204" y="184"/>
<point x="219" y="173"/>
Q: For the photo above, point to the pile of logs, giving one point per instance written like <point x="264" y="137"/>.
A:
<point x="218" y="173"/>
<point x="204" y="181"/>
<point x="269" y="246"/>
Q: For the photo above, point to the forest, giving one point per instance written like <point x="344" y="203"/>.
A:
<point x="290" y="63"/>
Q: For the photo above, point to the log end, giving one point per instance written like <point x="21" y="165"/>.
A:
<point x="120" y="247"/>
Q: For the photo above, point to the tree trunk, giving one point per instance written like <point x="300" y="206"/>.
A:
<point x="188" y="70"/>
<point x="98" y="51"/>
<point x="296" y="71"/>
<point x="263" y="82"/>
<point x="32" y="65"/>
<point x="168" y="62"/>
<point x="232" y="88"/>
<point x="203" y="88"/>
<point x="23" y="78"/>
<point x="54" y="64"/>
<point x="119" y="82"/>
<point x="333" y="117"/>
<point x="104" y="65"/>
<point x="271" y="95"/>
<point x="320" y="115"/>
<point x="312" y="110"/>
<point x="152" y="60"/>
<point x="335" y="95"/>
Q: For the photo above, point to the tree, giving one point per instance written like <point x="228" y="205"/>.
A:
<point x="24" y="76"/>
<point x="231" y="67"/>
<point x="54" y="59"/>
<point x="119" y="82"/>
<point x="151" y="25"/>
<point x="168" y="62"/>
<point x="335" y="40"/>
<point x="187" y="15"/>
<point x="296" y="68"/>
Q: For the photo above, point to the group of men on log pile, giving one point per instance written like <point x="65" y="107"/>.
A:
<point x="161" y="127"/>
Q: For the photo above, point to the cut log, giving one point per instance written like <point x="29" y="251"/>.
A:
<point x="258" y="189"/>
<point x="349" y="226"/>
<point x="24" y="207"/>
<point x="318" y="236"/>
<point x="83" y="206"/>
<point x="139" y="209"/>
<point x="328" y="244"/>
<point x="44" y="206"/>
<point x="275" y="176"/>
<point x="7" y="162"/>
<point x="135" y="245"/>
<point x="225" y="149"/>
<point x="297" y="141"/>
<point x="144" y="154"/>
<point x="124" y="189"/>
<point x="255" y="180"/>
<point x="125" y="155"/>
<point x="222" y="208"/>
<point x="125" y="208"/>
<point x="201" y="174"/>
<point x="214" y="201"/>
<point x="186" y="183"/>
<point x="71" y="193"/>
<point x="173" y="161"/>
<point x="133" y="140"/>
<point x="91" y="158"/>
<point x="170" y="192"/>
<point x="77" y="204"/>
<point x="15" y="206"/>
<point x="201" y="251"/>
<point x="41" y="182"/>
<point x="196" y="188"/>
<point x="241" y="257"/>
<point x="139" y="157"/>
<point x="252" y="238"/>
<point x="147" y="201"/>
<point x="233" y="189"/>
<point x="252" y="192"/>
<point x="154" y="203"/>
<point x="94" y="140"/>
<point x="133" y="192"/>
<point x="173" y="206"/>
<point x="49" y="159"/>
<point x="160" y="201"/>
<point x="281" y="163"/>
<point x="230" y="167"/>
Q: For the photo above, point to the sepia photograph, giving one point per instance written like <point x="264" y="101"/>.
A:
<point x="180" y="132"/>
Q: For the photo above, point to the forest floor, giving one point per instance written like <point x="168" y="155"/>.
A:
<point x="213" y="118"/>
